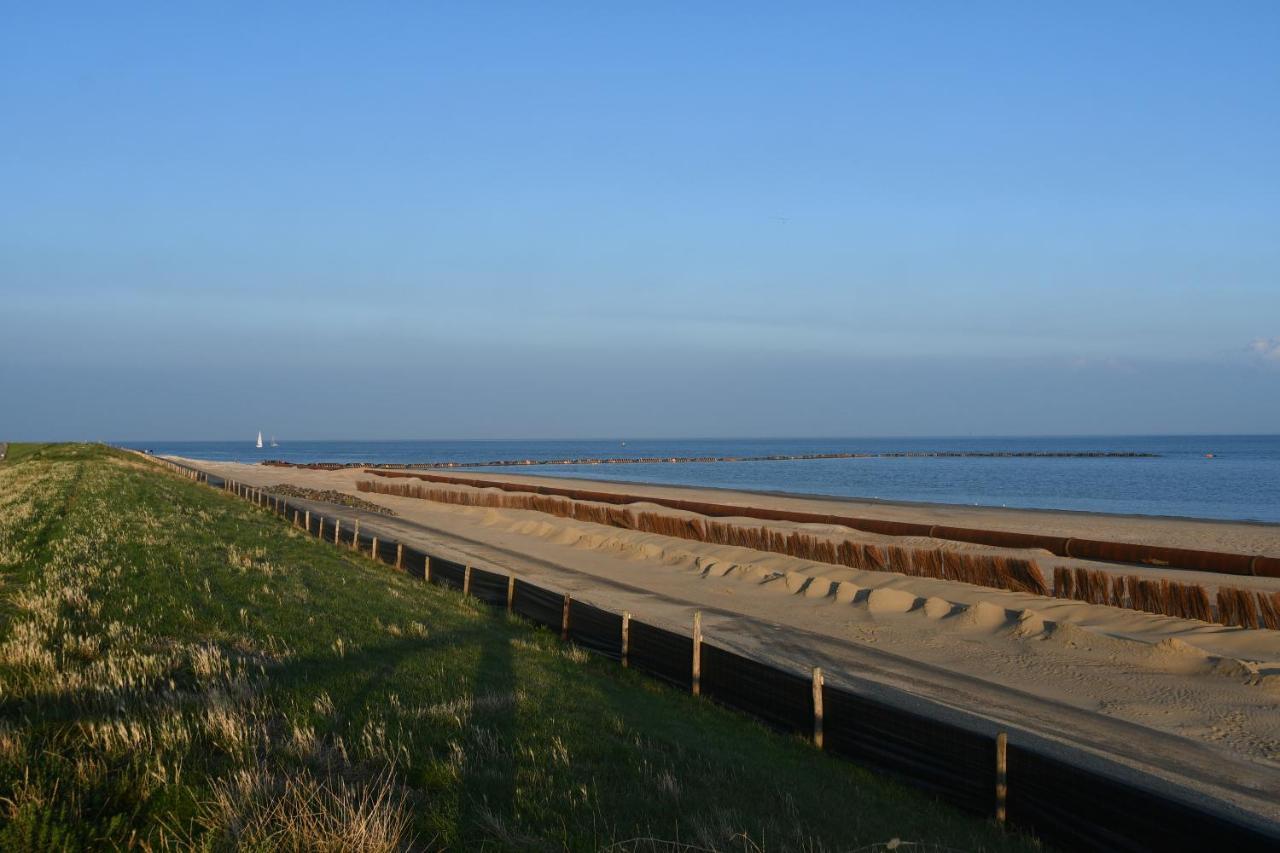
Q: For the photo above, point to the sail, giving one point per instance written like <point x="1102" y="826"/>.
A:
<point x="259" y="438"/>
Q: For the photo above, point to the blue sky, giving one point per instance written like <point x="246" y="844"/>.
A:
<point x="557" y="220"/>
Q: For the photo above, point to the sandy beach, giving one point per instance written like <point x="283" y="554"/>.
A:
<point x="1190" y="702"/>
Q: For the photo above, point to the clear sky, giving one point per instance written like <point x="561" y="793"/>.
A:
<point x="459" y="220"/>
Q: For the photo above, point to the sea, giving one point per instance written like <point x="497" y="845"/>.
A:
<point x="1233" y="477"/>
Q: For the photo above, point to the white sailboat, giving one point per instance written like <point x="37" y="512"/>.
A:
<point x="273" y="441"/>
<point x="259" y="439"/>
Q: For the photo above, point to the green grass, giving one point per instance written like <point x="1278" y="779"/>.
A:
<point x="178" y="668"/>
<point x="18" y="451"/>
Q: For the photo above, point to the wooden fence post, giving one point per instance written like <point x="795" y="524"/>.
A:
<point x="399" y="555"/>
<point x="295" y="518"/>
<point x="564" y="619"/>
<point x="426" y="568"/>
<point x="696" y="685"/>
<point x="337" y="526"/>
<point x="626" y="637"/>
<point x="319" y="526"/>
<point x="1002" y="776"/>
<point x="466" y="580"/>
<point x="817" y="707"/>
<point x="373" y="550"/>
<point x="511" y="593"/>
<point x="355" y="537"/>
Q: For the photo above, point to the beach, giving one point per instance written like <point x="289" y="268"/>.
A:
<point x="1182" y="700"/>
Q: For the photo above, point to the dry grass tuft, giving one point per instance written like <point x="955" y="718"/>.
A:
<point x="257" y="809"/>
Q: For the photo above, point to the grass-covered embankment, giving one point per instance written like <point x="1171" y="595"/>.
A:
<point x="179" y="668"/>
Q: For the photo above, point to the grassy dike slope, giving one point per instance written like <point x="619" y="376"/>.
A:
<point x="178" y="668"/>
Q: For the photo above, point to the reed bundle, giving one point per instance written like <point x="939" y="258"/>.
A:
<point x="995" y="571"/>
<point x="1164" y="597"/>
<point x="1248" y="608"/>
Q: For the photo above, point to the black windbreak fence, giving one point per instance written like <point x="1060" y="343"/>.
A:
<point x="538" y="605"/>
<point x="447" y="572"/>
<point x="956" y="764"/>
<point x="661" y="653"/>
<point x="783" y="700"/>
<point x="1076" y="807"/>
<point x="489" y="587"/>
<point x="595" y="629"/>
<point x="414" y="563"/>
<point x="1052" y="796"/>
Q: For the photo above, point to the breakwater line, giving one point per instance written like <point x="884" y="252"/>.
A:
<point x="778" y="457"/>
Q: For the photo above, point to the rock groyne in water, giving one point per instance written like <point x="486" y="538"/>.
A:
<point x="670" y="460"/>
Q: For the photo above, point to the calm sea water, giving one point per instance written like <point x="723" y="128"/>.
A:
<point x="1242" y="481"/>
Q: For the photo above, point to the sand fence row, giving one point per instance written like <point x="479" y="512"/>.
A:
<point x="1236" y="607"/>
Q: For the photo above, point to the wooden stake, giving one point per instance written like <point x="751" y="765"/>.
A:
<point x="295" y="518"/>
<point x="355" y="537"/>
<point x="399" y="556"/>
<point x="466" y="580"/>
<point x="337" y="526"/>
<point x="817" y="707"/>
<point x="626" y="637"/>
<point x="426" y="569"/>
<point x="373" y="550"/>
<point x="1002" y="776"/>
<point x="696" y="686"/>
<point x="564" y="619"/>
<point x="511" y="593"/>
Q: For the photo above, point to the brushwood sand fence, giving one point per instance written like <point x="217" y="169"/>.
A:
<point x="1217" y="562"/>
<point x="967" y="765"/>
<point x="1235" y="606"/>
